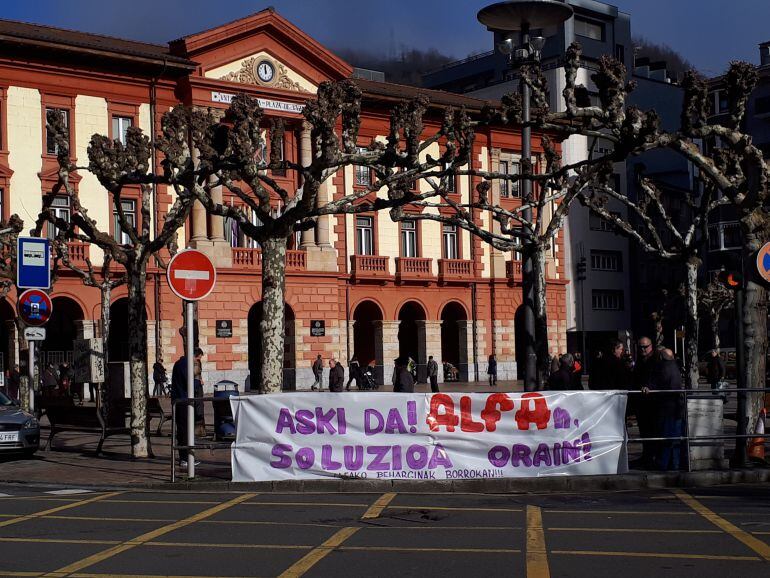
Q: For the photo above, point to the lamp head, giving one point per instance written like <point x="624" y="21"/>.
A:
<point x="537" y="43"/>
<point x="506" y="46"/>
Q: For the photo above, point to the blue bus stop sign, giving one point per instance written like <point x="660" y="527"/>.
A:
<point x="33" y="263"/>
<point x="763" y="262"/>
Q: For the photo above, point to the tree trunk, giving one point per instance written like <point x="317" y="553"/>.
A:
<point x="273" y="312"/>
<point x="691" y="323"/>
<point x="106" y="297"/>
<point x="137" y="351"/>
<point x="715" y="328"/>
<point x="541" y="315"/>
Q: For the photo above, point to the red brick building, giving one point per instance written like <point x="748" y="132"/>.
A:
<point x="380" y="288"/>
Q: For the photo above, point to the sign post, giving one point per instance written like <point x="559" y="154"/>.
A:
<point x="191" y="276"/>
<point x="34" y="307"/>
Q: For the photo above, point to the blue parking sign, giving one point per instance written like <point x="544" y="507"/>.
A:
<point x="33" y="263"/>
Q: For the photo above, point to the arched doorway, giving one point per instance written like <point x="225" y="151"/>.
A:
<point x="7" y="316"/>
<point x="61" y="332"/>
<point x="255" y="347"/>
<point x="117" y="344"/>
<point x="454" y="338"/>
<point x="521" y="339"/>
<point x="367" y="337"/>
<point x="411" y="336"/>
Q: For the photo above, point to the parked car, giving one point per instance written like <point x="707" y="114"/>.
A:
<point x="19" y="430"/>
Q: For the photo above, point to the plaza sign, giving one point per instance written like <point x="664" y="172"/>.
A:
<point x="428" y="436"/>
<point x="266" y="104"/>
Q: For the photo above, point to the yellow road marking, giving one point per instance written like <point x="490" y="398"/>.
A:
<point x="314" y="556"/>
<point x="377" y="507"/>
<point x="655" y="555"/>
<point x="59" y="541"/>
<point x="146" y="537"/>
<point x="537" y="555"/>
<point x="633" y="530"/>
<point x="110" y="519"/>
<point x="26" y="517"/>
<point x="755" y="544"/>
<point x="11" y="573"/>
<point x="404" y="549"/>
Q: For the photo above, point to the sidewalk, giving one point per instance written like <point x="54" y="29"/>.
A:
<point x="74" y="462"/>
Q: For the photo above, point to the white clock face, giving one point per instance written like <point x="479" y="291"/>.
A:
<point x="265" y="71"/>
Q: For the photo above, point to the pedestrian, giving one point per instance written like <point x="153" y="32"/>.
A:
<point x="614" y="372"/>
<point x="65" y="381"/>
<point x="555" y="363"/>
<point x="318" y="372"/>
<point x="640" y="405"/>
<point x="561" y="380"/>
<point x="200" y="414"/>
<point x="336" y="376"/>
<point x="715" y="370"/>
<point x="451" y="373"/>
<point x="13" y="382"/>
<point x="492" y="370"/>
<point x="159" y="377"/>
<point x="354" y="373"/>
<point x="404" y="382"/>
<point x="50" y="381"/>
<point x="596" y="371"/>
<point x="433" y="374"/>
<point x="178" y="393"/>
<point x="577" y="372"/>
<point x="667" y="410"/>
<point x="412" y="368"/>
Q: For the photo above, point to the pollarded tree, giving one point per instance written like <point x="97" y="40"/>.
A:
<point x="714" y="299"/>
<point x="231" y="154"/>
<point x="118" y="166"/>
<point x="9" y="234"/>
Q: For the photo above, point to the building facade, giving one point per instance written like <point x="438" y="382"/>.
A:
<point x="381" y="289"/>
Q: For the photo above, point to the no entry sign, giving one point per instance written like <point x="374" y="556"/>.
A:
<point x="191" y="275"/>
<point x="763" y="262"/>
<point x="34" y="307"/>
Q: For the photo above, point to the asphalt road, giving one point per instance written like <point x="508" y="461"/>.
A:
<point x="723" y="531"/>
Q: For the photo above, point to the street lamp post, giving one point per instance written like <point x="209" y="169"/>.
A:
<point x="524" y="16"/>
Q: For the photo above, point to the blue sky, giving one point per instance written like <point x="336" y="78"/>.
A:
<point x="709" y="33"/>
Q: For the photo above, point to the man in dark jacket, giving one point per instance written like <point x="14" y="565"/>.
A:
<point x="615" y="371"/>
<point x="336" y="376"/>
<point x="640" y="404"/>
<point x="354" y="373"/>
<point x="179" y="391"/>
<point x="715" y="369"/>
<point x="668" y="410"/>
<point x="492" y="370"/>
<point x="561" y="380"/>
<point x="404" y="382"/>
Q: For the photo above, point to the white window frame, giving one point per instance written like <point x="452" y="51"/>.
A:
<point x="65" y="112"/>
<point x="409" y="246"/>
<point x="120" y="126"/>
<point x="61" y="209"/>
<point x="611" y="261"/>
<point x="586" y="28"/>
<point x="129" y="210"/>
<point x="717" y="233"/>
<point x="365" y="235"/>
<point x="450" y="241"/>
<point x="362" y="175"/>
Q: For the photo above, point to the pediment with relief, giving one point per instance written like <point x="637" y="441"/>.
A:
<point x="262" y="70"/>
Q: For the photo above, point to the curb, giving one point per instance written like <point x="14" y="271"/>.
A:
<point x="621" y="482"/>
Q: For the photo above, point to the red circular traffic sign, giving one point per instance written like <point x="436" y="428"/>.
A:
<point x="34" y="307"/>
<point x="191" y="275"/>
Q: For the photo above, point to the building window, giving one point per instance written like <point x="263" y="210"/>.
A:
<point x="589" y="29"/>
<point x="50" y="138"/>
<point x="362" y="175"/>
<point x="509" y="188"/>
<point x="364" y="236"/>
<point x="60" y="208"/>
<point x="408" y="238"/>
<point x="596" y="223"/>
<point x="606" y="261"/>
<point x="129" y="211"/>
<point x="451" y="178"/>
<point x="620" y="52"/>
<point x="721" y="101"/>
<point x="449" y="238"/>
<point x="120" y="126"/>
<point x="281" y="157"/>
<point x="725" y="236"/>
<point x="606" y="300"/>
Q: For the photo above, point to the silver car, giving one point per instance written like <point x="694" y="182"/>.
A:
<point x="19" y="430"/>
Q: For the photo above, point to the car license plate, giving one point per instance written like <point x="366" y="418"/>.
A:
<point x="9" y="437"/>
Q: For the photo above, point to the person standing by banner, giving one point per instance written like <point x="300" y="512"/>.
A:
<point x="318" y="372"/>
<point x="492" y="370"/>
<point x="336" y="376"/>
<point x="641" y="404"/>
<point x="404" y="380"/>
<point x="354" y="373"/>
<point x="179" y="392"/>
<point x="433" y="374"/>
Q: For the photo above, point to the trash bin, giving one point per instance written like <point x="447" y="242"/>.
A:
<point x="224" y="427"/>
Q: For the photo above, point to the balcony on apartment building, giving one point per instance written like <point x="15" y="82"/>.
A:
<point x="369" y="267"/>
<point x="251" y="259"/>
<point x="455" y="271"/>
<point x="413" y="269"/>
<point x="78" y="252"/>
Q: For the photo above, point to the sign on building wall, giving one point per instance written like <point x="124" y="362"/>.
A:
<point x="317" y="328"/>
<point x="224" y="328"/>
<point x="266" y="104"/>
<point x="88" y="361"/>
<point x="430" y="436"/>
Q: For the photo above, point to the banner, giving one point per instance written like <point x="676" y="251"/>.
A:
<point x="428" y="436"/>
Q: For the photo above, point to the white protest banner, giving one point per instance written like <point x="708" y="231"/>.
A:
<point x="428" y="436"/>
